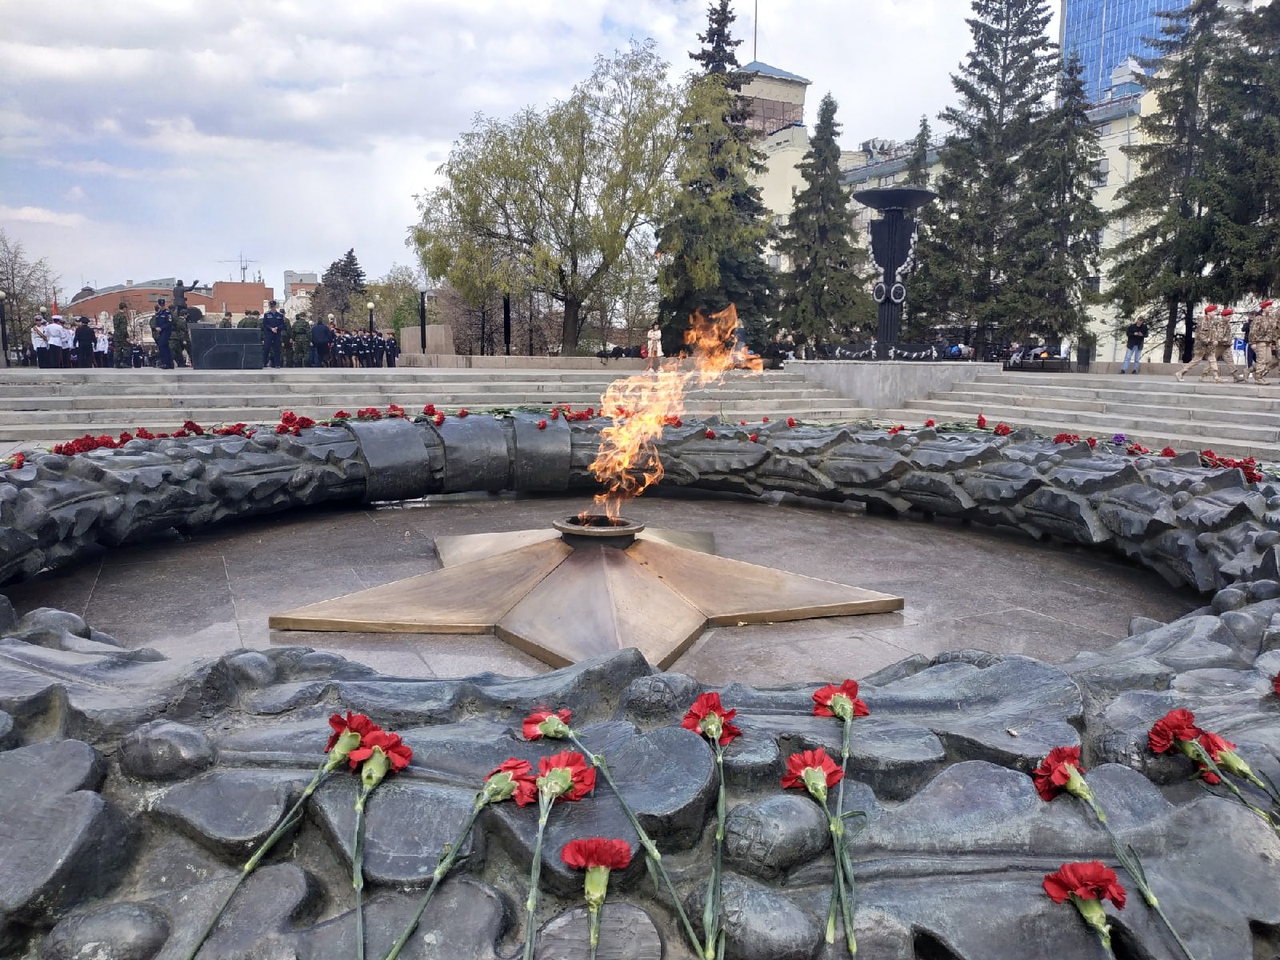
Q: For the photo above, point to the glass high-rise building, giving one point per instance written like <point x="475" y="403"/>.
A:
<point x="1105" y="33"/>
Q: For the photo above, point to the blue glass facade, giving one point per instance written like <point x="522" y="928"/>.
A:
<point x="1105" y="32"/>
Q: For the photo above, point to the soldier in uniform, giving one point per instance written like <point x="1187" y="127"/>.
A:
<point x="272" y="328"/>
<point x="162" y="328"/>
<point x="1263" y="334"/>
<point x="393" y="351"/>
<point x="379" y="349"/>
<point x="1213" y="340"/>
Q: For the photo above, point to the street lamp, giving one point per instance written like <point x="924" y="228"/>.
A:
<point x="422" y="314"/>
<point x="4" y="331"/>
<point x="369" y="307"/>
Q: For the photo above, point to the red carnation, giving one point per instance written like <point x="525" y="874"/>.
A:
<point x="1059" y="771"/>
<point x="555" y="413"/>
<point x="463" y="412"/>
<point x="982" y="422"/>
<point x="764" y="419"/>
<point x="542" y="424"/>
<point x="711" y="434"/>
<point x="1002" y="430"/>
<point x="753" y="437"/>
<point x="930" y="423"/>
<point x="342" y="415"/>
<point x="814" y="771"/>
<point x="597" y="852"/>
<point x="1168" y="452"/>
<point x="566" y="776"/>
<point x="791" y="421"/>
<point x="512" y="778"/>
<point x="357" y="722"/>
<point x="1175" y="725"/>
<point x="429" y="410"/>
<point x="396" y="750"/>
<point x="1092" y="441"/>
<point x="841" y="701"/>
<point x="708" y="718"/>
<point x="1092" y="880"/>
<point x="742" y="423"/>
<point x="1275" y="681"/>
<point x="547" y="723"/>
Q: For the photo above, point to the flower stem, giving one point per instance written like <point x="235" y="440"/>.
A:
<point x="357" y="869"/>
<point x="1133" y="866"/>
<point x="531" y="904"/>
<point x="286" y="824"/>
<point x="717" y="877"/>
<point x="844" y="761"/>
<point x="650" y="848"/>
<point x="839" y="891"/>
<point x="447" y="860"/>
<point x="593" y="922"/>
<point x="1198" y="753"/>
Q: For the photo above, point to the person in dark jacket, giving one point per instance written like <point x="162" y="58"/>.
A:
<point x="162" y="326"/>
<point x="272" y="329"/>
<point x="84" y="342"/>
<point x="321" y="340"/>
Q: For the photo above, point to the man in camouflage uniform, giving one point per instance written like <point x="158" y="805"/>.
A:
<point x="1213" y="340"/>
<point x="1263" y="334"/>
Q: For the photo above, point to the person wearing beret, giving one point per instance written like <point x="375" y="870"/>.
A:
<point x="1213" y="341"/>
<point x="1263" y="334"/>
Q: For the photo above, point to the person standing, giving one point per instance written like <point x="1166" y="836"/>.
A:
<point x="321" y="339"/>
<point x="84" y="344"/>
<point x="40" y="342"/>
<point x="393" y="351"/>
<point x="653" y="347"/>
<point x="162" y="330"/>
<point x="1135" y="337"/>
<point x="57" y="342"/>
<point x="272" y="329"/>
<point x="1212" y="340"/>
<point x="1263" y="334"/>
<point x="101" y="349"/>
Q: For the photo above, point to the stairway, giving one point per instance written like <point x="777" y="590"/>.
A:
<point x="38" y="405"/>
<point x="1235" y="419"/>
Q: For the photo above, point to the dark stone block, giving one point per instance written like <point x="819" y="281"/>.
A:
<point x="230" y="811"/>
<point x="220" y="348"/>
<point x="396" y="453"/>
<point x="542" y="457"/>
<point x="626" y="933"/>
<point x="163" y="750"/>
<point x="762" y="924"/>
<point x="117" y="931"/>
<point x="768" y="838"/>
<point x="477" y="455"/>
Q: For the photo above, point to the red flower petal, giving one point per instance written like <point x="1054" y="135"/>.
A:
<point x="582" y="775"/>
<point x="1091" y="880"/>
<point x="596" y="852"/>
<point x="706" y="705"/>
<point x="1175" y="725"/>
<point x="534" y="720"/>
<point x="1053" y="773"/>
<point x="358" y="722"/>
<point x="848" y="689"/>
<point x="798" y="763"/>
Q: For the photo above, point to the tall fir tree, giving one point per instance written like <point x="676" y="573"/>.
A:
<point x="918" y="162"/>
<point x="1246" y="109"/>
<point x="712" y="242"/>
<point x="970" y="248"/>
<point x="824" y="293"/>
<point x="1170" y="230"/>
<point x="343" y="279"/>
<point x="1062" y="225"/>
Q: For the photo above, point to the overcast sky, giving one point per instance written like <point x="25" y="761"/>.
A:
<point x="151" y="138"/>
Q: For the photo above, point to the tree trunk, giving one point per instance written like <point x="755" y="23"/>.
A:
<point x="1170" y="329"/>
<point x="506" y="322"/>
<point x="569" y="332"/>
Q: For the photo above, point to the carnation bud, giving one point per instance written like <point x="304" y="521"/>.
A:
<point x="815" y="781"/>
<point x="556" y="783"/>
<point x="597" y="885"/>
<point x="1094" y="916"/>
<point x="347" y="742"/>
<point x="374" y="769"/>
<point x="499" y="787"/>
<point x="554" y="728"/>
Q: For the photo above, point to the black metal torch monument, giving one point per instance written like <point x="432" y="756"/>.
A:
<point x="893" y="239"/>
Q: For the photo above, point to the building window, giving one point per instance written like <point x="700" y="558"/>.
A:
<point x="775" y="261"/>
<point x="1093" y="284"/>
<point x="770" y="116"/>
<point x="1100" y="172"/>
<point x="1105" y="130"/>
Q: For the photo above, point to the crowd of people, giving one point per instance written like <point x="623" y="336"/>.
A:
<point x="1250" y="353"/>
<point x="333" y="346"/>
<point x="62" y="342"/>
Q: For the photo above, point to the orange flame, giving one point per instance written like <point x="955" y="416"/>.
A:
<point x="627" y="461"/>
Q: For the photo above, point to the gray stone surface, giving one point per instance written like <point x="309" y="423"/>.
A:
<point x="117" y="931"/>
<point x="626" y="933"/>
<point x="163" y="750"/>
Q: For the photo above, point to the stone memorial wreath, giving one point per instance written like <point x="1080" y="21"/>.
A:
<point x="133" y="787"/>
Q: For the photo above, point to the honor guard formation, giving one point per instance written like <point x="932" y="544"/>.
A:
<point x="333" y="346"/>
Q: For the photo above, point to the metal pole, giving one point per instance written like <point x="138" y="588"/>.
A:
<point x="4" y="330"/>
<point x="370" y="306"/>
<point x="422" y="317"/>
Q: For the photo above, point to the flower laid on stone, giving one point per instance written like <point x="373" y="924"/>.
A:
<point x="379" y="753"/>
<point x="844" y="704"/>
<point x="429" y="410"/>
<point x="546" y="723"/>
<point x="555" y="725"/>
<point x="982" y="422"/>
<point x="896" y="429"/>
<point x="1136" y="449"/>
<point x="293" y="424"/>
<point x="348" y="734"/>
<point x="512" y="780"/>
<point x="1275" y="684"/>
<point x="395" y="410"/>
<point x="753" y="437"/>
<point x="1067" y="438"/>
<point x="438" y="419"/>
<point x="1248" y="466"/>
<point x="930" y="423"/>
<point x="1168" y="452"/>
<point x="1061" y="772"/>
<point x="562" y="777"/>
<point x="597" y="856"/>
<point x="814" y="771"/>
<point x="709" y="719"/>
<point x="13" y="462"/>
<point x="463" y="412"/>
<point x="1119" y="440"/>
<point x="1091" y="441"/>
<point x="342" y="415"/>
<point x="791" y="421"/>
<point x="1002" y="430"/>
<point x="1212" y="755"/>
<point x="542" y="424"/>
<point x="1086" y="885"/>
<point x="710" y="434"/>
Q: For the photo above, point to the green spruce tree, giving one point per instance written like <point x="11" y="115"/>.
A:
<point x="970" y="250"/>
<point x="712" y="242"/>
<point x="343" y="280"/>
<point x="823" y="295"/>
<point x="918" y="162"/>
<point x="1171" y="229"/>
<point x="1062" y="224"/>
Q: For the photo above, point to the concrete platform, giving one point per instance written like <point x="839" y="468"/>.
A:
<point x="964" y="588"/>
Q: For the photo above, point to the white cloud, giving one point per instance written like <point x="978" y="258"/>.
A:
<point x="40" y="215"/>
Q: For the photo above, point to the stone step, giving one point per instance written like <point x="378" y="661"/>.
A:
<point x="1239" y="408"/>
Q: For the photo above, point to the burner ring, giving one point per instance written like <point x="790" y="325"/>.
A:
<point x="597" y="530"/>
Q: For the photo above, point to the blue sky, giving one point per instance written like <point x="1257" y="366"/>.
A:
<point x="152" y="138"/>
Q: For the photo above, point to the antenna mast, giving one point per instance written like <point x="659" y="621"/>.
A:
<point x="755" y="33"/>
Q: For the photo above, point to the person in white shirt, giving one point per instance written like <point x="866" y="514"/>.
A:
<point x="101" y="346"/>
<point x="40" y="342"/>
